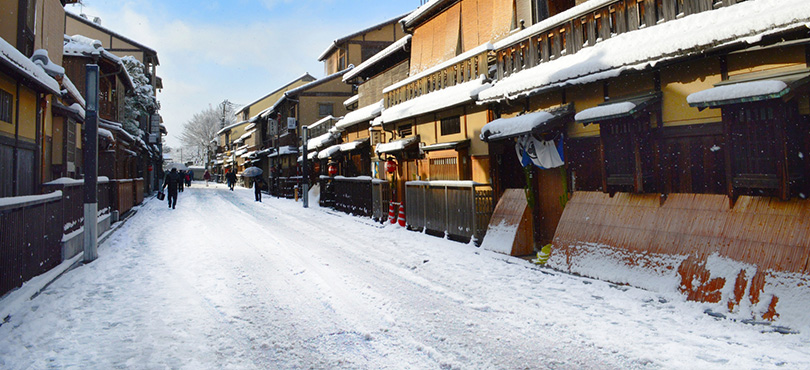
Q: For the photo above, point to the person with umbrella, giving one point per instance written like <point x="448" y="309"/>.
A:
<point x="258" y="182"/>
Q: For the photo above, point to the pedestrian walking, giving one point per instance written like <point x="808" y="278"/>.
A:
<point x="180" y="180"/>
<point x="172" y="181"/>
<point x="189" y="177"/>
<point x="231" y="178"/>
<point x="207" y="177"/>
<point x="258" y="186"/>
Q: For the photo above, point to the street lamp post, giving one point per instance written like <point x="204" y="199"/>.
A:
<point x="304" y="169"/>
<point x="90" y="153"/>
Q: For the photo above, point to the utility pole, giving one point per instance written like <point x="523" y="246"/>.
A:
<point x="90" y="153"/>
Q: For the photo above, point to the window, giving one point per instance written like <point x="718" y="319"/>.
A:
<point x="641" y="11"/>
<point x="584" y="31"/>
<point x="659" y="10"/>
<point x="613" y="21"/>
<point x="6" y="106"/>
<point x="540" y="10"/>
<point x="451" y="125"/>
<point x="341" y="60"/>
<point x="752" y="141"/>
<point x="325" y="109"/>
<point x="27" y="18"/>
<point x="405" y="130"/>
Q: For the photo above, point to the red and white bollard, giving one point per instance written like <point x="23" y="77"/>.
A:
<point x="392" y="217"/>
<point x="402" y="215"/>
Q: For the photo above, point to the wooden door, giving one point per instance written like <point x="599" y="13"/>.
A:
<point x="548" y="197"/>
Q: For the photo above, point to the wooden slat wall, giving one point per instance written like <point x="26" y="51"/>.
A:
<point x="769" y="234"/>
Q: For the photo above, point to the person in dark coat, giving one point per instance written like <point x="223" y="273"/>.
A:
<point x="207" y="177"/>
<point x="172" y="181"/>
<point x="231" y="177"/>
<point x="258" y="185"/>
<point x="181" y="178"/>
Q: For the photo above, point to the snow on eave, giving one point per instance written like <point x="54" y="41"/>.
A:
<point x="366" y="114"/>
<point x="320" y="122"/>
<point x="318" y="141"/>
<point x="71" y="90"/>
<point x="548" y="23"/>
<point x="737" y="91"/>
<point x="318" y="82"/>
<point x="83" y="46"/>
<point x="505" y="127"/>
<point x="399" y="44"/>
<point x="246" y="107"/>
<point x="21" y="201"/>
<point x="328" y="152"/>
<point x="395" y="145"/>
<point x="343" y="39"/>
<point x="231" y="126"/>
<point x="437" y="100"/>
<point x="16" y="60"/>
<point x="113" y="33"/>
<point x="352" y="100"/>
<point x="464" y="56"/>
<point x="691" y="35"/>
<point x="421" y="11"/>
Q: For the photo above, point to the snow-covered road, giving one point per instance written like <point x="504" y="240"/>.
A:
<point x="223" y="282"/>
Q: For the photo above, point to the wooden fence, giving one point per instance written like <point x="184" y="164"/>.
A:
<point x="459" y="209"/>
<point x="30" y="235"/>
<point x="347" y="194"/>
<point x="32" y="228"/>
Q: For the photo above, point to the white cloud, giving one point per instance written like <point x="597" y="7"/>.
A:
<point x="205" y="63"/>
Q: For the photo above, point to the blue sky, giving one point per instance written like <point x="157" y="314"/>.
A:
<point x="238" y="50"/>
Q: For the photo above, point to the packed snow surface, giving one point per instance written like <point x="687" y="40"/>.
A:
<point x="223" y="282"/>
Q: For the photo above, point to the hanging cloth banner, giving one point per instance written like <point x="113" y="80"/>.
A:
<point x="543" y="154"/>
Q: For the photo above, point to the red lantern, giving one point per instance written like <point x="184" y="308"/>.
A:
<point x="149" y="168"/>
<point x="332" y="170"/>
<point x="390" y="166"/>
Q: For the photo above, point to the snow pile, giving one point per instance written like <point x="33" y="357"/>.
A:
<point x="499" y="238"/>
<point x="646" y="47"/>
<point x="20" y="201"/>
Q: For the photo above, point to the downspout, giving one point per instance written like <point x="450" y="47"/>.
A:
<point x="15" y="155"/>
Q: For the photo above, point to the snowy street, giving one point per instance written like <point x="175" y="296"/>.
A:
<point x="223" y="282"/>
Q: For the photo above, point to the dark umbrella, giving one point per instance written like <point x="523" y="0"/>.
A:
<point x="252" y="172"/>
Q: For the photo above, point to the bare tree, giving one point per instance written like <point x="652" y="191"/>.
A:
<point x="200" y="132"/>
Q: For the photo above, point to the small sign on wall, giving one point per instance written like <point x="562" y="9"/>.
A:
<point x="291" y="123"/>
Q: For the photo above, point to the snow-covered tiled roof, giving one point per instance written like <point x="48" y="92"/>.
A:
<point x="82" y="46"/>
<point x="738" y="91"/>
<point x="399" y="44"/>
<point x="437" y="100"/>
<point x="636" y="50"/>
<point x="354" y="99"/>
<point x="396" y="145"/>
<point x="14" y="59"/>
<point x="363" y="114"/>
<point x="328" y="152"/>
<point x="421" y="11"/>
<point x="71" y="90"/>
<point x="333" y="46"/>
<point x="319" y="141"/>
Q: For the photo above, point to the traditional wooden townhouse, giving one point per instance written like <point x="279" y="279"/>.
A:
<point x="119" y="151"/>
<point x="264" y="137"/>
<point x="302" y="106"/>
<point x="30" y="83"/>
<point x="150" y="122"/>
<point x="232" y="147"/>
<point x="434" y="148"/>
<point x="685" y="126"/>
<point x="356" y="48"/>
